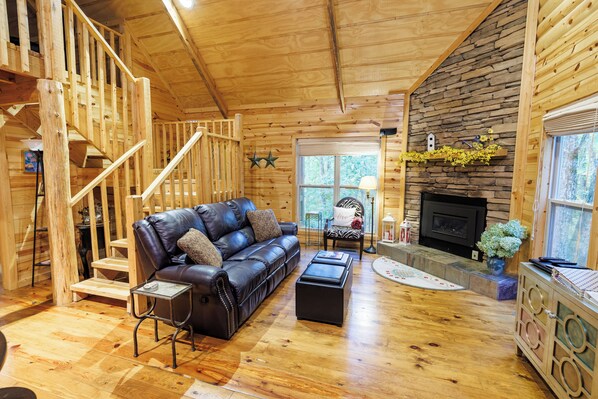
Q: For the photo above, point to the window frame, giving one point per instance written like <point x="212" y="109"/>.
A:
<point x="336" y="187"/>
<point x="554" y="170"/>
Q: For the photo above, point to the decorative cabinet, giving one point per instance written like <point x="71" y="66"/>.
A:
<point x="558" y="333"/>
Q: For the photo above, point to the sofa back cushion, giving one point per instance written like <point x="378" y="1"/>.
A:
<point x="240" y="206"/>
<point x="231" y="243"/>
<point x="218" y="219"/>
<point x="171" y="225"/>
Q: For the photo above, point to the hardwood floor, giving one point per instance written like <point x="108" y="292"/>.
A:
<point x="397" y="342"/>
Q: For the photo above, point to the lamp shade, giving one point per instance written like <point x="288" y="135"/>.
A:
<point x="34" y="144"/>
<point x="368" y="183"/>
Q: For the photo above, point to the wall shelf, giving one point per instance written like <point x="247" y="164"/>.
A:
<point x="501" y="153"/>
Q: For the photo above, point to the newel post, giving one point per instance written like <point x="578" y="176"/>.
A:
<point x="61" y="229"/>
<point x="142" y="122"/>
<point x="134" y="212"/>
<point x="241" y="169"/>
<point x="52" y="39"/>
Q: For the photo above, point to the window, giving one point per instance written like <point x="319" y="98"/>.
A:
<point x="572" y="184"/>
<point x="323" y="179"/>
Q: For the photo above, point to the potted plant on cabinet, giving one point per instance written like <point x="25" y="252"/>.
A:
<point x="500" y="241"/>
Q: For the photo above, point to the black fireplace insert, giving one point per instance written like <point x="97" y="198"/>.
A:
<point x="452" y="224"/>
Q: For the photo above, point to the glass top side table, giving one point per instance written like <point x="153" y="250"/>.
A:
<point x="310" y="218"/>
<point x="169" y="291"/>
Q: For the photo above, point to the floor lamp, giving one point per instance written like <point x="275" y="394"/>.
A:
<point x="368" y="183"/>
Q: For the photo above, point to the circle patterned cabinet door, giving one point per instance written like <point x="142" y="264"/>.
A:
<point x="574" y="353"/>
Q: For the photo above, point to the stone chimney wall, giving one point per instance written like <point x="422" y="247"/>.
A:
<point x="474" y="89"/>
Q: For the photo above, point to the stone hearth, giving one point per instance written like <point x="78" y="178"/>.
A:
<point x="467" y="273"/>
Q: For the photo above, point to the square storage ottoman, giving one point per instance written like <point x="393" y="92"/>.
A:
<point x="322" y="292"/>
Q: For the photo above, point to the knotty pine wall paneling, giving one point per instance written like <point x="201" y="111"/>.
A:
<point x="276" y="128"/>
<point x="565" y="71"/>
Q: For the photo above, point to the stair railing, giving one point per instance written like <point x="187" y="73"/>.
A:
<point x="101" y="87"/>
<point x="24" y="38"/>
<point x="124" y="177"/>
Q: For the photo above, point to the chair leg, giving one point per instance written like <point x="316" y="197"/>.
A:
<point x="333" y="243"/>
<point x="360" y="248"/>
<point x="325" y="243"/>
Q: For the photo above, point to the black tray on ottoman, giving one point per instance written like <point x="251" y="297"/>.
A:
<point x="322" y="292"/>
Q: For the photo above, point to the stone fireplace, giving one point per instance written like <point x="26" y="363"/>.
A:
<point x="452" y="223"/>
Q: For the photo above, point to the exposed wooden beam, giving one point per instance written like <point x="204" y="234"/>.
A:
<point x="26" y="117"/>
<point x="25" y="92"/>
<point x="148" y="58"/>
<point x="524" y="116"/>
<point x="336" y="60"/>
<point x="196" y="57"/>
<point x="464" y="35"/>
<point x="7" y="77"/>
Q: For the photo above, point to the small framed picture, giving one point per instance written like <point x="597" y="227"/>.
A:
<point x="30" y="161"/>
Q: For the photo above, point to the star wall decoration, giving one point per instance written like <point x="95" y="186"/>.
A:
<point x="270" y="160"/>
<point x="255" y="160"/>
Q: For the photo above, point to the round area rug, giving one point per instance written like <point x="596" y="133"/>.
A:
<point x="408" y="275"/>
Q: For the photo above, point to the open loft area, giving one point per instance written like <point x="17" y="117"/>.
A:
<point x="310" y="198"/>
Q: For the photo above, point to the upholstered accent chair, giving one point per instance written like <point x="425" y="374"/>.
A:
<point x="341" y="233"/>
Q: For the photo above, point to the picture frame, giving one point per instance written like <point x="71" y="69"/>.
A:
<point x="30" y="161"/>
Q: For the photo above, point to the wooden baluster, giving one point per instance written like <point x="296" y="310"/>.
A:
<point x="127" y="178"/>
<point x="101" y="77"/>
<point x="163" y="197"/>
<point x="238" y="134"/>
<point x="137" y="170"/>
<point x="216" y="171"/>
<point x="125" y="108"/>
<point x="172" y="185"/>
<point x="24" y="40"/>
<point x="93" y="58"/>
<point x="180" y="167"/>
<point x="87" y="79"/>
<point x="206" y="178"/>
<point x="164" y="142"/>
<point x="114" y="98"/>
<point x="95" y="252"/>
<point x="71" y="57"/>
<point x="118" y="209"/>
<point x="171" y="146"/>
<point x="226" y="153"/>
<point x="190" y="177"/>
<point x="106" y="217"/>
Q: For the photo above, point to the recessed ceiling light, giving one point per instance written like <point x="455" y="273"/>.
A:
<point x="186" y="3"/>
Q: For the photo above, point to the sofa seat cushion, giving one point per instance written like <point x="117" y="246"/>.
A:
<point x="245" y="253"/>
<point x="272" y="256"/>
<point x="290" y="244"/>
<point x="245" y="276"/>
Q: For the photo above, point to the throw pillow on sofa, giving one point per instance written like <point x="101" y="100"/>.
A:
<point x="264" y="224"/>
<point x="343" y="216"/>
<point x="199" y="248"/>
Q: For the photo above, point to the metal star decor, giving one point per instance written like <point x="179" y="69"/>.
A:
<point x="270" y="160"/>
<point x="255" y="160"/>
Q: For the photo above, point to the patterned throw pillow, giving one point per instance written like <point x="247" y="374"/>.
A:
<point x="199" y="248"/>
<point x="264" y="224"/>
<point x="343" y="216"/>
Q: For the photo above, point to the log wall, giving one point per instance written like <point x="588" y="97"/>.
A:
<point x="276" y="128"/>
<point x="565" y="72"/>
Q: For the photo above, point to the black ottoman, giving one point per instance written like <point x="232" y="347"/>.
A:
<point x="322" y="292"/>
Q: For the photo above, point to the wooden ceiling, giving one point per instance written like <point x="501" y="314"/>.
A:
<point x="273" y="52"/>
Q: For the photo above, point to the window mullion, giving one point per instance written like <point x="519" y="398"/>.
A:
<point x="337" y="178"/>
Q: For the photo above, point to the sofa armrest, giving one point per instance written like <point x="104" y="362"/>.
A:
<point x="205" y="279"/>
<point x="289" y="228"/>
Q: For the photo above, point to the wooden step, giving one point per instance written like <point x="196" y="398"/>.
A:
<point x="103" y="287"/>
<point x="122" y="243"/>
<point x="118" y="264"/>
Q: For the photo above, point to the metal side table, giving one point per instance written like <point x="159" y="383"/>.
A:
<point x="311" y="217"/>
<point x="169" y="291"/>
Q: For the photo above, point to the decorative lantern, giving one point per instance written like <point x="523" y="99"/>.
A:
<point x="405" y="237"/>
<point x="388" y="228"/>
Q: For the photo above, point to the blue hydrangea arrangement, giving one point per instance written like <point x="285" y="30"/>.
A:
<point x="502" y="240"/>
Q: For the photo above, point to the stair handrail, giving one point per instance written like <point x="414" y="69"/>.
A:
<point x="169" y="169"/>
<point x="96" y="34"/>
<point x="107" y="172"/>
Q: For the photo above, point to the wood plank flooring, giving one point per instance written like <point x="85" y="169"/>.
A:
<point x="397" y="342"/>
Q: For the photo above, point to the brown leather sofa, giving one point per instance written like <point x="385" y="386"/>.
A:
<point x="223" y="298"/>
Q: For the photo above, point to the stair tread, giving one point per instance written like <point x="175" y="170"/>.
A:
<point x="112" y="263"/>
<point x="121" y="243"/>
<point x="103" y="287"/>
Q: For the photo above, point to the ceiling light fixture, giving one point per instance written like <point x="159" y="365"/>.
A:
<point x="186" y="3"/>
